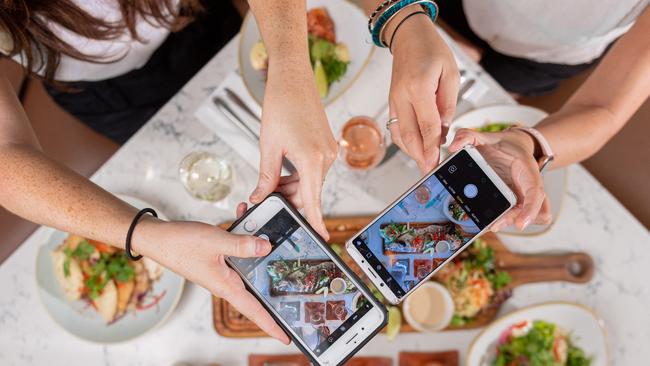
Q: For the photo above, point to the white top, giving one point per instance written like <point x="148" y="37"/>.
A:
<point x="134" y="54"/>
<point x="563" y="32"/>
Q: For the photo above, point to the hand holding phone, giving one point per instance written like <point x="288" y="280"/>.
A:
<point x="197" y="251"/>
<point x="430" y="224"/>
<point x="511" y="152"/>
<point x="327" y="311"/>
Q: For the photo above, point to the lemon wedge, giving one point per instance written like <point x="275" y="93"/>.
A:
<point x="321" y="79"/>
<point x="394" y="322"/>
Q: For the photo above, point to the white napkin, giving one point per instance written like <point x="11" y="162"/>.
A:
<point x="228" y="131"/>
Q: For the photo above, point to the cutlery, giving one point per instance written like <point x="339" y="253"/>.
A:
<point x="237" y="121"/>
<point x="464" y="89"/>
<point x="241" y="104"/>
<point x="232" y="116"/>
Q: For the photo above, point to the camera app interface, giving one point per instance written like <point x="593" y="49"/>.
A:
<point x="431" y="223"/>
<point x="300" y="281"/>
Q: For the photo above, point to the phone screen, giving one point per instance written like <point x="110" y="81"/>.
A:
<point x="434" y="221"/>
<point x="309" y="291"/>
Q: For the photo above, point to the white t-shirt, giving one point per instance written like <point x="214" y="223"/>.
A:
<point x="134" y="54"/>
<point x="567" y="32"/>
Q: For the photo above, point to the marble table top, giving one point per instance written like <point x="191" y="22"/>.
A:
<point x="147" y="167"/>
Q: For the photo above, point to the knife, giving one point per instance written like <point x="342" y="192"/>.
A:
<point x="464" y="89"/>
<point x="241" y="104"/>
<point x="232" y="116"/>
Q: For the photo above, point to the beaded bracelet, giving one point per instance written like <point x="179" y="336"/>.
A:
<point x="376" y="30"/>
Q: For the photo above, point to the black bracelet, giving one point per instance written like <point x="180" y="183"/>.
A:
<point x="129" y="234"/>
<point x="392" y="37"/>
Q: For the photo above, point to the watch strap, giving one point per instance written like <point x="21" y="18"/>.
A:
<point x="547" y="152"/>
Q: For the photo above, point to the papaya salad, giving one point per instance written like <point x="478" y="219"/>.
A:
<point x="474" y="283"/>
<point x="103" y="277"/>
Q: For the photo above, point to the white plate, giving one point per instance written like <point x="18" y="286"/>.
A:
<point x="554" y="180"/>
<point x="586" y="329"/>
<point x="83" y="322"/>
<point x="350" y="25"/>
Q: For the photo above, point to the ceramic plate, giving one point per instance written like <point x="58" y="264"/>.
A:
<point x="350" y="24"/>
<point x="586" y="329"/>
<point x="83" y="322"/>
<point x="554" y="180"/>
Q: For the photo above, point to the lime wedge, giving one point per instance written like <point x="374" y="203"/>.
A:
<point x="394" y="322"/>
<point x="321" y="79"/>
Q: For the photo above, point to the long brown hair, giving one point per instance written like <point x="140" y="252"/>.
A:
<point x="27" y="23"/>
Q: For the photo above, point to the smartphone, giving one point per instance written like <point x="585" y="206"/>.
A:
<point x="318" y="301"/>
<point x="430" y="224"/>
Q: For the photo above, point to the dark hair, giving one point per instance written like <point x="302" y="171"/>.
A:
<point x="28" y="25"/>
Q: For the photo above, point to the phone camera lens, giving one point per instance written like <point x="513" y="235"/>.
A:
<point x="381" y="285"/>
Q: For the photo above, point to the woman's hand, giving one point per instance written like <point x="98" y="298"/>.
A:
<point x="423" y="89"/>
<point x="197" y="252"/>
<point x="510" y="154"/>
<point x="294" y="125"/>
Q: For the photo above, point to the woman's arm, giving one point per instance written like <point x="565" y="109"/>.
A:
<point x="40" y="190"/>
<point x="606" y="101"/>
<point x="294" y="123"/>
<point x="424" y="85"/>
<point x="36" y="188"/>
<point x="599" y="109"/>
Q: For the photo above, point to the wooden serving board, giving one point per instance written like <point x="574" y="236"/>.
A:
<point x="523" y="268"/>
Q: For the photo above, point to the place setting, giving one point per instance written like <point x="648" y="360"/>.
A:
<point x="412" y="271"/>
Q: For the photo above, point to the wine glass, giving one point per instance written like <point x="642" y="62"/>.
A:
<point x="206" y="176"/>
<point x="362" y="142"/>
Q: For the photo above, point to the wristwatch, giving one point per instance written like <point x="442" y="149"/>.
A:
<point x="543" y="152"/>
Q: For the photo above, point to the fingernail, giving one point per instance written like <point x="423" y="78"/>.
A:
<point x="445" y="122"/>
<point x="256" y="193"/>
<point x="262" y="247"/>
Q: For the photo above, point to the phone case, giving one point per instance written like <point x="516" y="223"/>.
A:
<point x="338" y="261"/>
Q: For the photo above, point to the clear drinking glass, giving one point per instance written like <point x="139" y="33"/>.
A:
<point x="362" y="143"/>
<point x="206" y="176"/>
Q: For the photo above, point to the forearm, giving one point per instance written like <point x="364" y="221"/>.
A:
<point x="606" y="101"/>
<point x="283" y="26"/>
<point x="40" y="190"/>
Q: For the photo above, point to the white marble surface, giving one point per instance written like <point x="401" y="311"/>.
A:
<point x="146" y="167"/>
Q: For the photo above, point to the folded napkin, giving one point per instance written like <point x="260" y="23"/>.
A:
<point x="229" y="132"/>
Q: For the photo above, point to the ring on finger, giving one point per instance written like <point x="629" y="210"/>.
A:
<point x="391" y="121"/>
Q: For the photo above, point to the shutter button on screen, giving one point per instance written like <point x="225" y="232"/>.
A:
<point x="250" y="226"/>
<point x="470" y="191"/>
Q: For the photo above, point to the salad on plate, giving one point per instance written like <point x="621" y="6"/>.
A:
<point x="329" y="58"/>
<point x="103" y="277"/>
<point x="538" y="343"/>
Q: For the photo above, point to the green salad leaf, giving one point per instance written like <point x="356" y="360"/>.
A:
<point x="325" y="52"/>
<point x="334" y="69"/>
<point x="321" y="49"/>
<point x="81" y="252"/>
<point x="536" y="348"/>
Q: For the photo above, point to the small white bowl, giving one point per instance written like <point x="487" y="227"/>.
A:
<point x="448" y="308"/>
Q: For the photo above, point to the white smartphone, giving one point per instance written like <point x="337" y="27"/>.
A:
<point x="319" y="302"/>
<point x="430" y="224"/>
